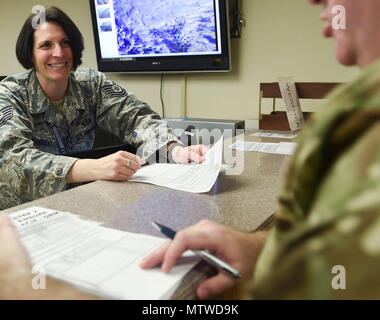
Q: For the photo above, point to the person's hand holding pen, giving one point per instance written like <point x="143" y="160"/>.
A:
<point x="238" y="249"/>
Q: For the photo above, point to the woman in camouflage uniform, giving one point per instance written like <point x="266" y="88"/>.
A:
<point x="51" y="111"/>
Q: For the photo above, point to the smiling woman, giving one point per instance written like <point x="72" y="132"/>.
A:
<point x="26" y="39"/>
<point x="53" y="59"/>
<point x="47" y="48"/>
<point x="52" y="110"/>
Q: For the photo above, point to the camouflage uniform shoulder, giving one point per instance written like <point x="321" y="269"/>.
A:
<point x="86" y="75"/>
<point x="88" y="79"/>
<point x="16" y="82"/>
<point x="15" y="89"/>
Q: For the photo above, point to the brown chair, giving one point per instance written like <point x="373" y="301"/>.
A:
<point x="277" y="120"/>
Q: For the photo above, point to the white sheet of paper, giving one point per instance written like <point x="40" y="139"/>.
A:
<point x="266" y="147"/>
<point x="274" y="135"/>
<point x="286" y="147"/>
<point x="100" y="260"/>
<point x="195" y="178"/>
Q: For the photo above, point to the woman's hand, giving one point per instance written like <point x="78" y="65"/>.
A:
<point x="238" y="249"/>
<point x="188" y="154"/>
<point x="119" y="166"/>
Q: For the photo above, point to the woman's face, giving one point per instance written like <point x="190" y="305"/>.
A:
<point x="52" y="54"/>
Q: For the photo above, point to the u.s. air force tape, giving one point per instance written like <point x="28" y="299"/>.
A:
<point x="6" y="113"/>
<point x="114" y="90"/>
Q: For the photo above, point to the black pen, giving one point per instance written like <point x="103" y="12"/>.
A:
<point x="204" y="254"/>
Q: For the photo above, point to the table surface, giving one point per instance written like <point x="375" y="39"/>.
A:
<point x="243" y="201"/>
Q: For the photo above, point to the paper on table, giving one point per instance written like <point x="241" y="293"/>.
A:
<point x="195" y="178"/>
<point x="286" y="148"/>
<point x="274" y="135"/>
<point x="278" y="148"/>
<point x="100" y="260"/>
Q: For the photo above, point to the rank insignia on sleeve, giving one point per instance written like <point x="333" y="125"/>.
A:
<point x="6" y="113"/>
<point x="114" y="90"/>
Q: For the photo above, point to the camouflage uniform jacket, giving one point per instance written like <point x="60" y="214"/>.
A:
<point x="329" y="207"/>
<point x="31" y="160"/>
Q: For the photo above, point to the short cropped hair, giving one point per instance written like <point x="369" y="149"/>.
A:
<point x="25" y="41"/>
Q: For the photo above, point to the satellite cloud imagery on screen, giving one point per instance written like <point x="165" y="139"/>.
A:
<point x="180" y="26"/>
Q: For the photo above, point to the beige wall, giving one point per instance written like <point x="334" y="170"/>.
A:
<point x="281" y="38"/>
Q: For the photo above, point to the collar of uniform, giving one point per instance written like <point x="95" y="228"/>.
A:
<point x="39" y="103"/>
<point x="73" y="102"/>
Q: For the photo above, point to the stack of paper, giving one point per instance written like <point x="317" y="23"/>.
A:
<point x="100" y="260"/>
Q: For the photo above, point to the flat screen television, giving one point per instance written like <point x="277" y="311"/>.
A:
<point x="161" y="35"/>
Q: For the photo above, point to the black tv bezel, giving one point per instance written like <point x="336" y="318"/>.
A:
<point x="175" y="64"/>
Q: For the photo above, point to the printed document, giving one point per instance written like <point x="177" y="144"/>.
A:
<point x="274" y="135"/>
<point x="195" y="178"/>
<point x="100" y="260"/>
<point x="278" y="148"/>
